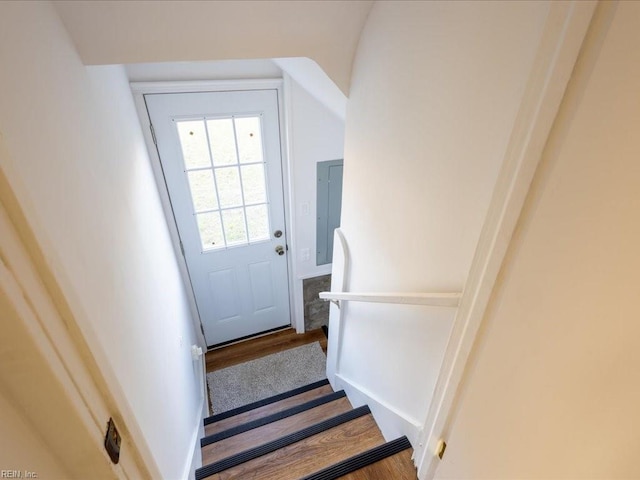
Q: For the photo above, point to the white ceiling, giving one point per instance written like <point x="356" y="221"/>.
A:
<point x="125" y="32"/>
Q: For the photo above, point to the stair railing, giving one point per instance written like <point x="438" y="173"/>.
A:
<point x="429" y="299"/>
<point x="338" y="296"/>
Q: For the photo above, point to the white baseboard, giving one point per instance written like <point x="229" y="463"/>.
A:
<point x="392" y="422"/>
<point x="194" y="461"/>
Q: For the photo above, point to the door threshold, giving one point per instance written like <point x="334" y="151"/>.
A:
<point x="217" y="346"/>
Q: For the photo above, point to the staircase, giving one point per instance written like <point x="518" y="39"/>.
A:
<point x="310" y="433"/>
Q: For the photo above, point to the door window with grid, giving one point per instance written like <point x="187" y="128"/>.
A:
<point x="225" y="169"/>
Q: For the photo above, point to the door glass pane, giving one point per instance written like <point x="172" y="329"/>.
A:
<point x="203" y="190"/>
<point x="222" y="141"/>
<point x="258" y="223"/>
<point x="229" y="200"/>
<point x="193" y="140"/>
<point x="229" y="192"/>
<point x="249" y="134"/>
<point x="210" y="229"/>
<point x="255" y="190"/>
<point x="234" y="226"/>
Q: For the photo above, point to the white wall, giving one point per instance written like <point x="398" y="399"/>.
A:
<point x="552" y="391"/>
<point x="435" y="90"/>
<point x="310" y="76"/>
<point x="316" y="135"/>
<point x="79" y="167"/>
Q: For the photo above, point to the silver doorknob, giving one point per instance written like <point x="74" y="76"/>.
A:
<point x="280" y="250"/>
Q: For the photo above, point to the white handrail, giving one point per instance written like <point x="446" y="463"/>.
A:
<point x="344" y="249"/>
<point x="428" y="299"/>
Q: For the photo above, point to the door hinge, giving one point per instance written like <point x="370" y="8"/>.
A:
<point x="182" y="248"/>
<point x="153" y="134"/>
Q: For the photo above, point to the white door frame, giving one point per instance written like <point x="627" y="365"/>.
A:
<point x="139" y="89"/>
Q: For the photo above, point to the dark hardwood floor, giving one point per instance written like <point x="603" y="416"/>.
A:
<point x="262" y="346"/>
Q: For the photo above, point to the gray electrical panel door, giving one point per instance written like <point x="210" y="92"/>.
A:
<point x="329" y="206"/>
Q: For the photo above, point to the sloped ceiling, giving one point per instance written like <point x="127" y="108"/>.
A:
<point x="123" y="32"/>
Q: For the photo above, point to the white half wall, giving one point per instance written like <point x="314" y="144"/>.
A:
<point x="79" y="168"/>
<point x="436" y="87"/>
<point x="552" y="387"/>
<point x="403" y="372"/>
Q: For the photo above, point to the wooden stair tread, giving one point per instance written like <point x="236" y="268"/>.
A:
<point x="272" y="418"/>
<point x="258" y="436"/>
<point x="368" y="458"/>
<point x="291" y="439"/>
<point x="397" y="467"/>
<point x="311" y="454"/>
<point x="266" y="410"/>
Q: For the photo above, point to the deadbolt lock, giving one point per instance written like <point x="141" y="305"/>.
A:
<point x="277" y="233"/>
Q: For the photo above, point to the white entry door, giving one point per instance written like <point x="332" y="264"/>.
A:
<point x="220" y="153"/>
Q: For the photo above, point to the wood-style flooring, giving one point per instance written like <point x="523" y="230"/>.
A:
<point x="262" y="346"/>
